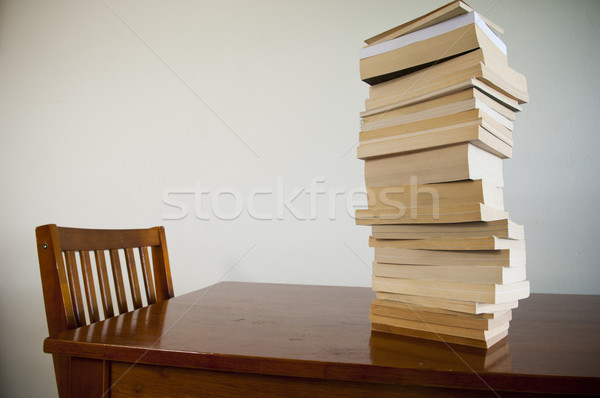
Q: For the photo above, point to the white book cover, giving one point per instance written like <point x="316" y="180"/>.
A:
<point x="433" y="31"/>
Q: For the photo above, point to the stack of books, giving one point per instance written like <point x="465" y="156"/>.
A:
<point x="449" y="263"/>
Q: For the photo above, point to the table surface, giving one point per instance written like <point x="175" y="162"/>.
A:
<point x="324" y="332"/>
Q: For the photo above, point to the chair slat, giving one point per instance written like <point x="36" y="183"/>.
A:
<point x="147" y="275"/>
<point x="104" y="282"/>
<point x="73" y="275"/>
<point x="115" y="263"/>
<point x="134" y="284"/>
<point x="65" y="290"/>
<point x="89" y="286"/>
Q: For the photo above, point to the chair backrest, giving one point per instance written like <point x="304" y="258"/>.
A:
<point x="80" y="285"/>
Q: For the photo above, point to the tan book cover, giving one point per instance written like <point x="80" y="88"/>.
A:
<point x="407" y="306"/>
<point x="452" y="273"/>
<point x="480" y="243"/>
<point x="456" y="193"/>
<point x="445" y="164"/>
<point x="431" y="215"/>
<point x="468" y="132"/>
<point x="468" y="70"/>
<point x="478" y="292"/>
<point x="460" y="101"/>
<point x="501" y="229"/>
<point x="436" y="303"/>
<point x="435" y="336"/>
<point x="503" y="258"/>
<point x="444" y="13"/>
<point x="385" y="61"/>
<point x="475" y="334"/>
<point x="418" y="314"/>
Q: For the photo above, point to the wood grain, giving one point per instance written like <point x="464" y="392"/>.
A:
<point x="150" y="381"/>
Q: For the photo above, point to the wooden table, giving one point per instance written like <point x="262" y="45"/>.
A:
<point x="259" y="340"/>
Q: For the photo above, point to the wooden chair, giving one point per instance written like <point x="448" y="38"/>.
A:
<point x="80" y="285"/>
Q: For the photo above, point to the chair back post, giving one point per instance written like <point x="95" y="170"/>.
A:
<point x="57" y="299"/>
<point x="160" y="260"/>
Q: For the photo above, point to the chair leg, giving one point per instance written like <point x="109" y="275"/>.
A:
<point x="62" y="366"/>
<point x="81" y="377"/>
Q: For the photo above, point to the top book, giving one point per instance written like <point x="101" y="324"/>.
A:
<point x="428" y="46"/>
<point x="432" y="31"/>
<point x="445" y="12"/>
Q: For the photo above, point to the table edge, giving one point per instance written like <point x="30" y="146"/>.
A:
<point x="341" y="371"/>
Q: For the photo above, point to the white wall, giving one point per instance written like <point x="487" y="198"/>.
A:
<point x="105" y="105"/>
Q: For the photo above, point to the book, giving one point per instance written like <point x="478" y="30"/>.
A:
<point x="480" y="292"/>
<point x="452" y="273"/>
<point x="431" y="45"/>
<point x="410" y="352"/>
<point x="445" y="12"/>
<point x="438" y="31"/>
<point x="472" y="126"/>
<point x="438" y="123"/>
<point x="436" y="303"/>
<point x="452" y="163"/>
<point x="503" y="258"/>
<point x="468" y="70"/>
<point x="473" y="133"/>
<point x="436" y="336"/>
<point x="430" y="215"/>
<point x="460" y="101"/>
<point x="416" y="95"/>
<point x="501" y="229"/>
<point x="421" y="314"/>
<point x="475" y="334"/>
<point x="407" y="306"/>
<point x="481" y="243"/>
<point x="430" y="195"/>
